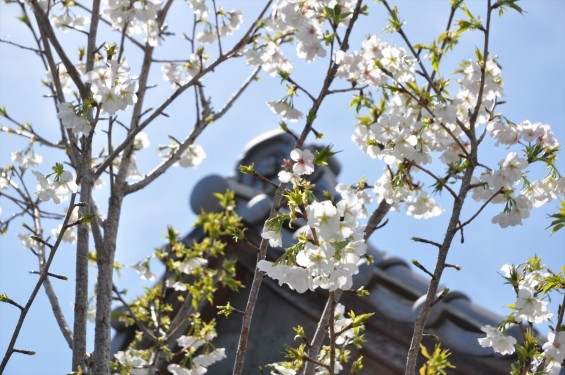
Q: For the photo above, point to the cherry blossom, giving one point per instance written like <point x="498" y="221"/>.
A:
<point x="554" y="348"/>
<point x="72" y="120"/>
<point x="172" y="74"/>
<point x="286" y="176"/>
<point x="537" y="133"/>
<point x="199" y="363"/>
<point x="199" y="8"/>
<point x="192" y="156"/>
<point x="324" y="217"/>
<point x="316" y="259"/>
<point x="141" y="141"/>
<point x="274" y="237"/>
<point x="422" y="206"/>
<point x="270" y="57"/>
<point x="4" y="182"/>
<point x="519" y="208"/>
<point x="68" y="20"/>
<point x="69" y="236"/>
<point x="530" y="308"/>
<point x="57" y="190"/>
<point x="297" y="278"/>
<point x="26" y="160"/>
<point x="189" y="265"/>
<point x="186" y="342"/>
<point x="285" y="110"/>
<point x="179" y="286"/>
<point x="142" y="268"/>
<point x="499" y="342"/>
<point x="28" y="242"/>
<point x="131" y="357"/>
<point x="136" y="17"/>
<point x="304" y="161"/>
<point x="112" y="87"/>
<point x="510" y="172"/>
<point x="384" y="189"/>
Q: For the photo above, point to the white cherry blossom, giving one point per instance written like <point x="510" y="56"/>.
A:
<point x="500" y="343"/>
<point x="530" y="308"/>
<point x="71" y="120"/>
<point x="274" y="237"/>
<point x="69" y="236"/>
<point x="422" y="206"/>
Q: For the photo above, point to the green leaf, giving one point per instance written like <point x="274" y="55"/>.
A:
<point x="87" y="218"/>
<point x="225" y="310"/>
<point x="247" y="169"/>
<point x="58" y="169"/>
<point x="503" y="4"/>
<point x="357" y="365"/>
<point x="559" y="217"/>
<point x="4" y="297"/>
<point x="321" y="157"/>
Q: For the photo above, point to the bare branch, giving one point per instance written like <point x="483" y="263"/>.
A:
<point x="376" y="218"/>
<point x="461" y="226"/>
<point x="45" y="27"/>
<point x="198" y="128"/>
<point x="10" y="350"/>
<point x="132" y="315"/>
<point x="39" y="52"/>
<point x="429" y="242"/>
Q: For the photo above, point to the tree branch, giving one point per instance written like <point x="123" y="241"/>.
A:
<point x="23" y="314"/>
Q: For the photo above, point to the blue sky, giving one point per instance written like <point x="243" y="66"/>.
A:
<point x="530" y="48"/>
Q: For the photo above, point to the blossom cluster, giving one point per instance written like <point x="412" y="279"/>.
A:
<point x="375" y="63"/>
<point x="56" y="189"/>
<point x="179" y="74"/>
<point x="63" y="76"/>
<point x="67" y="19"/>
<point x="334" y="245"/>
<point x="532" y="283"/>
<point x="135" y="17"/>
<point x="404" y="132"/>
<point x="230" y="22"/>
<point x="25" y="159"/>
<point x="305" y="20"/>
<point x="191" y="157"/>
<point x="520" y="194"/>
<point x="347" y="330"/>
<point x="112" y="87"/>
<point x="73" y="118"/>
<point x="200" y="362"/>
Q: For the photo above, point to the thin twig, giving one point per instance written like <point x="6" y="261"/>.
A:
<point x="440" y="181"/>
<point x="198" y="128"/>
<point x="132" y="315"/>
<point x="31" y="299"/>
<point x="38" y="51"/>
<point x="424" y="269"/>
<point x="423" y="240"/>
<point x="461" y="226"/>
<point x="60" y="277"/>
